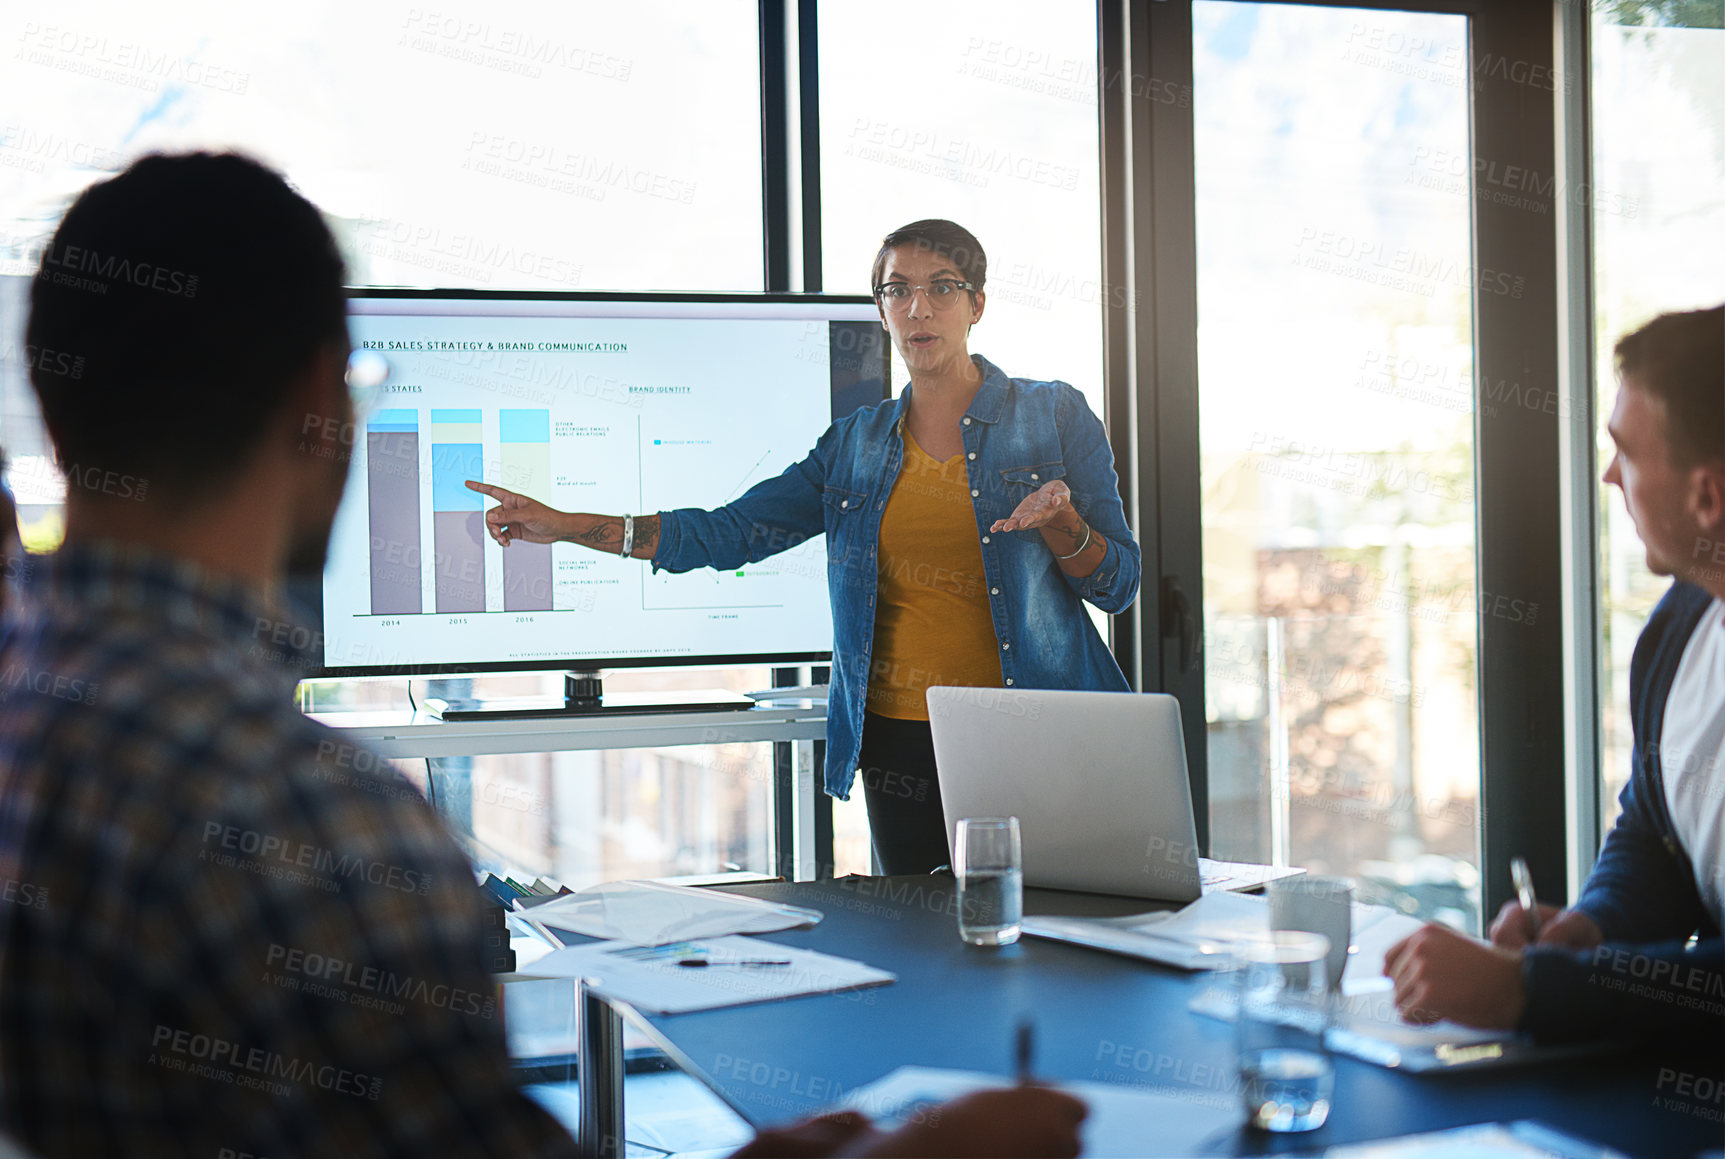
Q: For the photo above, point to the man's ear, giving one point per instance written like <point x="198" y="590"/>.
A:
<point x="317" y="414"/>
<point x="1707" y="498"/>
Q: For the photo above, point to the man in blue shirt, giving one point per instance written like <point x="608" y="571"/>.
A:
<point x="1640" y="953"/>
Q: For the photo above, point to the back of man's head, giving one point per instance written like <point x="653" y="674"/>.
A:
<point x="1679" y="359"/>
<point x="186" y="294"/>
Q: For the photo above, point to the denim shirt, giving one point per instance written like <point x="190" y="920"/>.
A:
<point x="1019" y="434"/>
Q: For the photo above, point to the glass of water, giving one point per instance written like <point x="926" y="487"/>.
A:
<point x="990" y="868"/>
<point x="1286" y="1079"/>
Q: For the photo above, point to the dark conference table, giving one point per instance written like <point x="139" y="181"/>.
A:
<point x="1100" y="1018"/>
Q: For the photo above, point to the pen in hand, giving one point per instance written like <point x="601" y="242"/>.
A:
<point x="1523" y="878"/>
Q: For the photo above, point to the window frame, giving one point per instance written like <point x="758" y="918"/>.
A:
<point x="1583" y="623"/>
<point x="1527" y="753"/>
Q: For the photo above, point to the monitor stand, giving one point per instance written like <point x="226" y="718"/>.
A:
<point x="584" y="695"/>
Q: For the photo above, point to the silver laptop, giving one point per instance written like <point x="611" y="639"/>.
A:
<point x="1097" y="781"/>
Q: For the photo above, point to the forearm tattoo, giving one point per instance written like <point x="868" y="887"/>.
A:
<point x="646" y="536"/>
<point x="606" y="534"/>
<point x="1075" y="534"/>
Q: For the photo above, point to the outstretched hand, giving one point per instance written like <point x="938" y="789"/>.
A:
<point x="1041" y="506"/>
<point x="517" y="516"/>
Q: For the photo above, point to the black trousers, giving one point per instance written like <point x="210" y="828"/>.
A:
<point x="903" y="795"/>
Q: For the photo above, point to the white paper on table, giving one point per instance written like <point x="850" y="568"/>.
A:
<point x="652" y="913"/>
<point x="1226" y="876"/>
<point x="1201" y="935"/>
<point x="651" y="979"/>
<point x="1518" y="1140"/>
<point x="1123" y="1121"/>
<point x="1198" y="937"/>
<point x="1373" y="1011"/>
<point x="1375" y="929"/>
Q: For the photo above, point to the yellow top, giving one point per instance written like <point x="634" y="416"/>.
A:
<point x="932" y="624"/>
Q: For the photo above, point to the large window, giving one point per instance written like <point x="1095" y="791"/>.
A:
<point x="991" y="123"/>
<point x="544" y="146"/>
<point x="1333" y="193"/>
<point x="1658" y="206"/>
<point x="547" y="145"/>
<point x="540" y="145"/>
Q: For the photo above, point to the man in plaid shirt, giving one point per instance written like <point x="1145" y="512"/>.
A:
<point x="216" y="937"/>
<point x="216" y="941"/>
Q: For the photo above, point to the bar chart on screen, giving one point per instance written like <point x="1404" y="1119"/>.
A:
<point x="399" y="487"/>
<point x="588" y="415"/>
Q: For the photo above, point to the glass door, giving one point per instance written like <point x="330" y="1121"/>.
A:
<point x="1335" y="188"/>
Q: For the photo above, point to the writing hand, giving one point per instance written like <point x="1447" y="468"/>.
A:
<point x="1439" y="973"/>
<point x="821" y="1136"/>
<point x="1557" y="927"/>
<point x="1021" y="1121"/>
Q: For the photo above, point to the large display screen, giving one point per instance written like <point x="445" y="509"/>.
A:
<point x="601" y="403"/>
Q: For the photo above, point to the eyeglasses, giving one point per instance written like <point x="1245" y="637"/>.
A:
<point x="941" y="293"/>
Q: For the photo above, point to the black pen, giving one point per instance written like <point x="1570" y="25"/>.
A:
<point x="1026" y="1051"/>
<point x="722" y="962"/>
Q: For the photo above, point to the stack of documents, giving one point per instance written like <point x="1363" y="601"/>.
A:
<point x="1199" y="937"/>
<point x="706" y="973"/>
<point x="1203" y="934"/>
<point x="652" y="913"/>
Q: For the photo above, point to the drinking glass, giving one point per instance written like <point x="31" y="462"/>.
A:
<point x="989" y="866"/>
<point x="1286" y="1079"/>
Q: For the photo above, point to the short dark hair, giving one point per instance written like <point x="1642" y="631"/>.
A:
<point x="180" y="299"/>
<point x="1680" y="360"/>
<point x="947" y="239"/>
